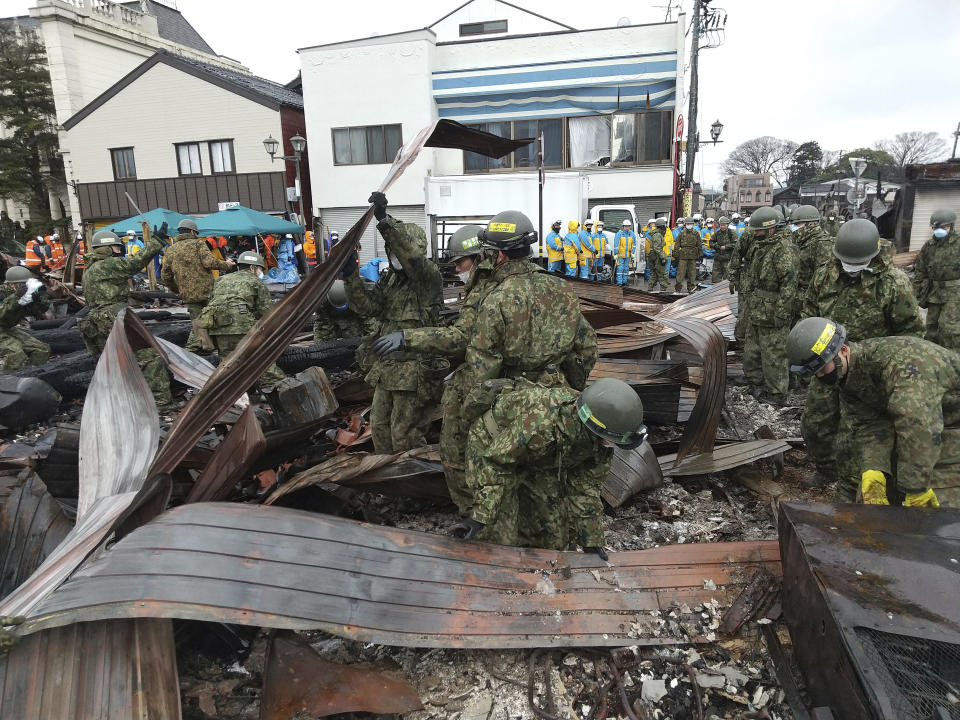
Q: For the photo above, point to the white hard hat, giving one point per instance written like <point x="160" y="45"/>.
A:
<point x="652" y="221"/>
<point x="697" y="216"/>
<point x="710" y="219"/>
<point x="131" y="233"/>
<point x="56" y="236"/>
<point x="289" y="236"/>
<point x="627" y="223"/>
<point x="40" y="238"/>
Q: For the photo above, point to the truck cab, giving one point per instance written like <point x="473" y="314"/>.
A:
<point x="612" y="217"/>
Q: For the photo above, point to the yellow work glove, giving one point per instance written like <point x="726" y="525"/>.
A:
<point x="928" y="498"/>
<point x="873" y="488"/>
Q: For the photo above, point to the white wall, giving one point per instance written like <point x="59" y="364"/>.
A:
<point x="629" y="182"/>
<point x="381" y="81"/>
<point x="143" y="116"/>
<point x="518" y="21"/>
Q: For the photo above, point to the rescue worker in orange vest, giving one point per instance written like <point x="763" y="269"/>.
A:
<point x="39" y="256"/>
<point x="80" y="261"/>
<point x="217" y="245"/>
<point x="57" y="255"/>
<point x="310" y="248"/>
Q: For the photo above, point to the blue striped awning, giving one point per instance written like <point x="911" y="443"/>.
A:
<point x="567" y="88"/>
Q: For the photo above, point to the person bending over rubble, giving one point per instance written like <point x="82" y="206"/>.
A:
<point x="899" y="410"/>
<point x="410" y="295"/>
<point x="21" y="295"/>
<point x="106" y="286"/>
<point x="537" y="459"/>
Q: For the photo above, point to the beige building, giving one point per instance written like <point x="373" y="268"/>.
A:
<point x="91" y="44"/>
<point x="746" y="193"/>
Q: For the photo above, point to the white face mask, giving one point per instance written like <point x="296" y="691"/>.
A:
<point x="394" y="263"/>
<point x="260" y="274"/>
<point x="854" y="269"/>
<point x="465" y="276"/>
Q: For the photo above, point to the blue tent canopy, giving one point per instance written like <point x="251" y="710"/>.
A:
<point x="242" y="220"/>
<point x="155" y="218"/>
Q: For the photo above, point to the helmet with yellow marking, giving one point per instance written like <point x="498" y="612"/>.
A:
<point x="508" y="230"/>
<point x="813" y="343"/>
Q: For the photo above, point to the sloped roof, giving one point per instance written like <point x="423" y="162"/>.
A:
<point x="257" y="89"/>
<point x="173" y="26"/>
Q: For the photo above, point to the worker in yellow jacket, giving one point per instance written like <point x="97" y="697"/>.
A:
<point x="571" y="248"/>
<point x="554" y="248"/>
<point x="599" y="248"/>
<point x="623" y="247"/>
<point x="586" y="249"/>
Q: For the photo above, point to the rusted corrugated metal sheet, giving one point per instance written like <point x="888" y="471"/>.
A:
<point x="232" y="460"/>
<point x="276" y="567"/>
<point x="31" y="527"/>
<point x="108" y="670"/>
<point x="723" y="457"/>
<point x="630" y="472"/>
<point x="609" y="295"/>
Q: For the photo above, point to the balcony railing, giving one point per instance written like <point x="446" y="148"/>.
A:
<point x="107" y="9"/>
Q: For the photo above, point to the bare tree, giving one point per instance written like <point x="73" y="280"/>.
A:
<point x="908" y="148"/>
<point x="761" y="155"/>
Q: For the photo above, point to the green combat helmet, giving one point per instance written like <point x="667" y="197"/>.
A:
<point x="814" y="342"/>
<point x="464" y="243"/>
<point x="18" y="274"/>
<point x="857" y="242"/>
<point x="942" y="217"/>
<point x="104" y="238"/>
<point x="187" y="224"/>
<point x="508" y="230"/>
<point x="805" y="213"/>
<point x="248" y="257"/>
<point x="612" y="410"/>
<point x="337" y="295"/>
<point x="661" y="222"/>
<point x="780" y="214"/>
<point x="765" y="218"/>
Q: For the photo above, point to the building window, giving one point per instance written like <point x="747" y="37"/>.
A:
<point x="589" y="139"/>
<point x="124" y="168"/>
<point x="768" y="196"/>
<point x="367" y="145"/>
<point x="483" y="28"/>
<point x="221" y="157"/>
<point x="749" y="197"/>
<point x="188" y="159"/>
<point x="525" y="157"/>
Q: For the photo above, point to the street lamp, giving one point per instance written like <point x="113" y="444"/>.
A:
<point x="715" y="130"/>
<point x="858" y="165"/>
<point x="299" y="144"/>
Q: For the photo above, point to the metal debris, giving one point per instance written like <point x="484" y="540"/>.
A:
<point x="232" y="460"/>
<point x="723" y="457"/>
<point x="630" y="472"/>
<point x="25" y="401"/>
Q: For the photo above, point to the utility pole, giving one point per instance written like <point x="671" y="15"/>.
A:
<point x="956" y="135"/>
<point x="694" y="81"/>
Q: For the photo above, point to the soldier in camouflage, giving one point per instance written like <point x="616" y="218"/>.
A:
<point x="238" y="301"/>
<point x="738" y="276"/>
<point x="336" y="320"/>
<point x="106" y="287"/>
<point x="831" y="221"/>
<point x="723" y="242"/>
<point x="860" y="289"/>
<point x="936" y="280"/>
<point x="21" y="295"/>
<point x="537" y="459"/>
<point x="688" y="250"/>
<point x="406" y="383"/>
<point x="657" y="258"/>
<point x="900" y="398"/>
<point x="474" y="265"/>
<point x="772" y="281"/>
<point x="814" y="246"/>
<point x="187" y="271"/>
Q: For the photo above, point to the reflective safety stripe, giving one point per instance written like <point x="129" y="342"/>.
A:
<point x="825" y="337"/>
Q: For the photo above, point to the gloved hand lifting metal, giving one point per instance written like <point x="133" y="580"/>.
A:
<point x="467" y="529"/>
<point x="387" y="344"/>
<point x="379" y="201"/>
<point x="7" y="639"/>
<point x="350" y="266"/>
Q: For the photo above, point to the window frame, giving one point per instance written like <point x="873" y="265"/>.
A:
<point x="388" y="157"/>
<point x="233" y="158"/>
<point x="113" y="162"/>
<point x="176" y="152"/>
<point x="483" y="25"/>
<point x="513" y="167"/>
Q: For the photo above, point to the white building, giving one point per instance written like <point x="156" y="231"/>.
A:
<point x="603" y="99"/>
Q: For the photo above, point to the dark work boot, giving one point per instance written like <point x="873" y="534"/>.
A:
<point x="821" y="478"/>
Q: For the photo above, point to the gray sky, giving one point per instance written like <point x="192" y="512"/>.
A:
<point x="845" y="74"/>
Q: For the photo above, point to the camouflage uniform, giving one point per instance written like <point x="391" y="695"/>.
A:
<point x="451" y="341"/>
<point x="830" y="227"/>
<point x="771" y="277"/>
<point x="238" y="301"/>
<point x="900" y="414"/>
<point x="187" y="271"/>
<point x="657" y="262"/>
<point x="17" y="348"/>
<point x="877" y="303"/>
<point x="814" y="248"/>
<point x="688" y="250"/>
<point x="333" y="324"/>
<point x="536" y="470"/>
<point x="738" y="279"/>
<point x="936" y="281"/>
<point x="723" y="243"/>
<point x="405" y="389"/>
<point x="106" y="285"/>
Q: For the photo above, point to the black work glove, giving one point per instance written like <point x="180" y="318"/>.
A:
<point x="733" y="289"/>
<point x="467" y="529"/>
<point x="600" y="551"/>
<point x="379" y="201"/>
<point x="388" y="344"/>
<point x="350" y="266"/>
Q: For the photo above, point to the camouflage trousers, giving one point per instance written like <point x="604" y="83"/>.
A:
<point x="740" y="327"/>
<point x="686" y="274"/>
<point x="19" y="349"/>
<point x="226" y="344"/>
<point x="765" y="359"/>
<point x="531" y="498"/>
<point x="453" y="441"/>
<point x="721" y="269"/>
<point x="820" y="424"/>
<point x="399" y="419"/>
<point x="658" y="274"/>
<point x="943" y="325"/>
<point x="868" y="441"/>
<point x="193" y="340"/>
<point x="95" y="329"/>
